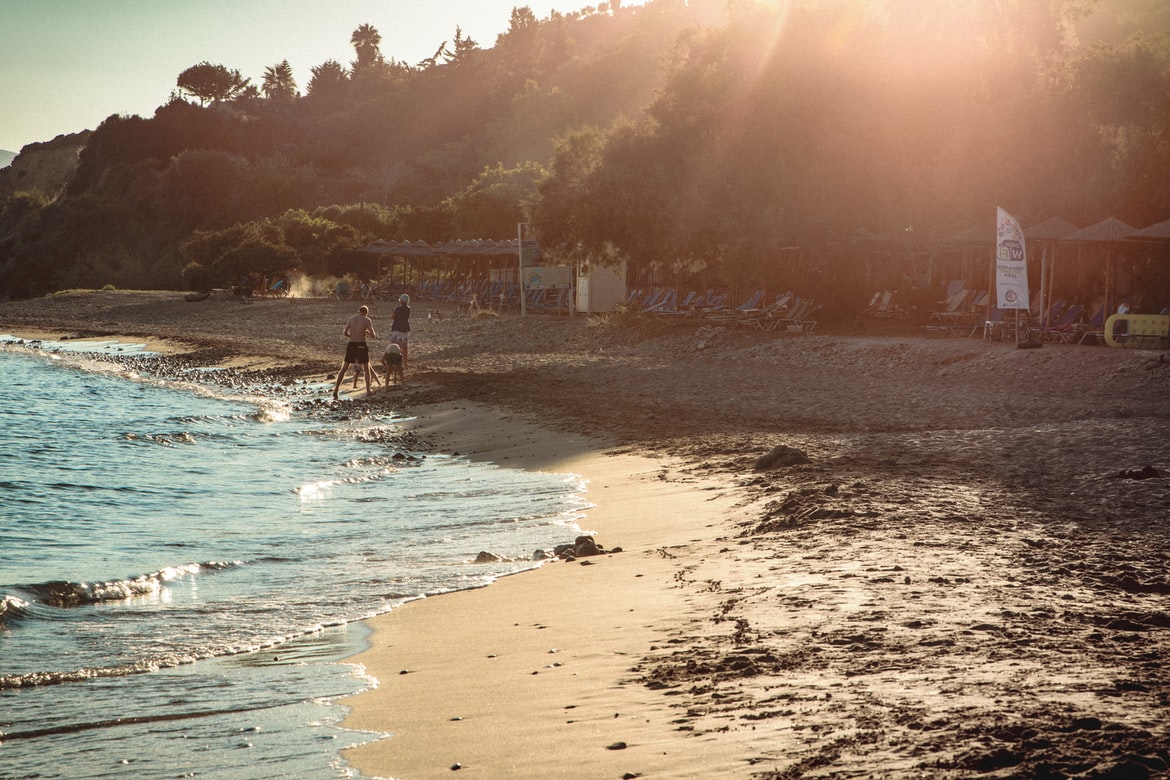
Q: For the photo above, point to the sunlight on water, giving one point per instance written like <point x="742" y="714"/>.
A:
<point x="315" y="491"/>
<point x="147" y="527"/>
<point x="273" y="411"/>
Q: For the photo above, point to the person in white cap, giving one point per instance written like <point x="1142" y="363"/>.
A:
<point x="400" y="326"/>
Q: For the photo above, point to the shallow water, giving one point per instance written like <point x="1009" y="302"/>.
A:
<point x="181" y="571"/>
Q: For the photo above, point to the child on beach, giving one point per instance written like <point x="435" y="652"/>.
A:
<point x="392" y="362"/>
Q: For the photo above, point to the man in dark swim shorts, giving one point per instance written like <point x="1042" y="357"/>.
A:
<point x="357" y="328"/>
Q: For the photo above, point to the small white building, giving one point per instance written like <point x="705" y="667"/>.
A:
<point x="600" y="288"/>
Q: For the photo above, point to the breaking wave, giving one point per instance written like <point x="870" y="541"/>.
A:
<point x="61" y="593"/>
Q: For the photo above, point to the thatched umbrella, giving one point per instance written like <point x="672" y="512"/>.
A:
<point x="969" y="243"/>
<point x="1110" y="233"/>
<point x="1159" y="231"/>
<point x="1048" y="233"/>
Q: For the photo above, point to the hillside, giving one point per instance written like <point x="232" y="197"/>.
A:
<point x="706" y="144"/>
<point x="46" y="167"/>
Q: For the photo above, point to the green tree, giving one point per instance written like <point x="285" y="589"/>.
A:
<point x="441" y="53"/>
<point x="328" y="81"/>
<point x="1124" y="90"/>
<point x="562" y="214"/>
<point x="244" y="248"/>
<point x="202" y="189"/>
<point x="212" y="83"/>
<point x="279" y="84"/>
<point x="463" y="49"/>
<point x="492" y="205"/>
<point x="518" y="47"/>
<point x="18" y="206"/>
<point x="317" y="240"/>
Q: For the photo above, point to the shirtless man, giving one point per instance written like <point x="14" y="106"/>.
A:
<point x="357" y="328"/>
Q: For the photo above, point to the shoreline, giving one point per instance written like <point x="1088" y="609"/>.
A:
<point x="843" y="554"/>
<point x="601" y="704"/>
<point x="532" y="676"/>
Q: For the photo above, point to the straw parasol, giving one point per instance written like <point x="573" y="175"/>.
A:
<point x="1048" y="233"/>
<point x="1109" y="233"/>
<point x="1159" y="231"/>
<point x="970" y="243"/>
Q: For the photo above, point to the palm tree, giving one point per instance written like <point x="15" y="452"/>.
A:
<point x="365" y="40"/>
<point x="279" y="84"/>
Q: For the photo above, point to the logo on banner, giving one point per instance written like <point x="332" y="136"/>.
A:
<point x="1015" y="251"/>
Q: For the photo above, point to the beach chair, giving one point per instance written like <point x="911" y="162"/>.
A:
<point x="808" y="318"/>
<point x="752" y="303"/>
<point x="883" y="305"/>
<point x="878" y="304"/>
<point x="676" y="308"/>
<point x="1094" y="329"/>
<point x="1062" y="330"/>
<point x="763" y="319"/>
<point x="747" y="308"/>
<point x="653" y="298"/>
<point x="664" y="300"/>
<point x="1053" y="313"/>
<point x="534" y="299"/>
<point x="993" y="327"/>
<point x="951" y="318"/>
<point x="952" y="309"/>
<point x="798" y="319"/>
<point x="560" y="302"/>
<point x="954" y="287"/>
<point x="713" y="303"/>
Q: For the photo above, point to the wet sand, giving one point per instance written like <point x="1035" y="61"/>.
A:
<point x="948" y="569"/>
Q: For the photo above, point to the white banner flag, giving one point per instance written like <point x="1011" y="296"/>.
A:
<point x="1011" y="264"/>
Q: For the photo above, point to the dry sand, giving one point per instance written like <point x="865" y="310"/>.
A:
<point x="941" y="576"/>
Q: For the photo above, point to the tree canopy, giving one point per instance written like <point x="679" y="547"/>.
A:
<point x="212" y="83"/>
<point x="700" y="137"/>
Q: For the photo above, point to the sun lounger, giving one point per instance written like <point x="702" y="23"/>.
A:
<point x="663" y="300"/>
<point x="801" y="319"/>
<point x="761" y="319"/>
<point x="1062" y="330"/>
<point x="952" y="310"/>
<point x="746" y="308"/>
<point x="998" y="327"/>
<point x="713" y="303"/>
<point x="1095" y="329"/>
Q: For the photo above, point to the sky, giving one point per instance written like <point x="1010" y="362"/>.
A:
<point x="66" y="65"/>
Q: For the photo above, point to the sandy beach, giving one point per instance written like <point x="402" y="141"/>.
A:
<point x="857" y="553"/>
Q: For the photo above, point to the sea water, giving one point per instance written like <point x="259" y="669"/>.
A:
<point x="183" y="571"/>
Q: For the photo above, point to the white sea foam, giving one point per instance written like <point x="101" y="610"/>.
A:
<point x="323" y="524"/>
